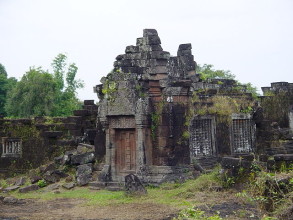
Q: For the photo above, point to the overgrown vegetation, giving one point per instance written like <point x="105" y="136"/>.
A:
<point x="41" y="93"/>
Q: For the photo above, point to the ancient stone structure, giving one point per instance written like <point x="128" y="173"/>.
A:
<point x="156" y="118"/>
<point x="146" y="106"/>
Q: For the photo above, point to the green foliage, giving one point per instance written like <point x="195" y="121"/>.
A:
<point x="40" y="93"/>
<point x="192" y="213"/>
<point x="42" y="183"/>
<point x="109" y="90"/>
<point x="6" y="84"/>
<point x="222" y="106"/>
<point x="3" y="70"/>
<point x="155" y="117"/>
<point x="207" y="72"/>
<point x="33" y="95"/>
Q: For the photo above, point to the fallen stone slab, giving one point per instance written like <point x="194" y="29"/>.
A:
<point x="21" y="181"/>
<point x="80" y="159"/>
<point x="283" y="157"/>
<point x="133" y="185"/>
<point x="84" y="174"/>
<point x="10" y="200"/>
<point x="53" y="187"/>
<point x="69" y="185"/>
<point x="35" y="179"/>
<point x="11" y="188"/>
<point x="29" y="188"/>
<point x="50" y="177"/>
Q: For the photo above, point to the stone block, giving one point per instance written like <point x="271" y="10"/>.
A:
<point x="29" y="188"/>
<point x="283" y="157"/>
<point x="153" y="40"/>
<point x="35" y="179"/>
<point x="148" y="48"/>
<point x="132" y="49"/>
<point x="133" y="185"/>
<point x="184" y="53"/>
<point x="82" y="158"/>
<point x="161" y="55"/>
<point x="50" y="177"/>
<point x="230" y="162"/>
<point x="187" y="62"/>
<point x="132" y="56"/>
<point x="68" y="185"/>
<point x="185" y="47"/>
<point x="150" y="32"/>
<point x="155" y="62"/>
<point x="84" y="174"/>
<point x="157" y="70"/>
<point x="82" y="112"/>
<point x="21" y="181"/>
<point x="53" y="134"/>
<point x="10" y="200"/>
<point x="89" y="102"/>
<point x="10" y="188"/>
<point x="140" y="41"/>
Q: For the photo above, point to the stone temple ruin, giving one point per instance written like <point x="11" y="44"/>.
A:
<point x="156" y="118"/>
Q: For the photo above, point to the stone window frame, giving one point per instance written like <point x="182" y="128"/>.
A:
<point x="252" y="131"/>
<point x="213" y="135"/>
<point x="11" y="147"/>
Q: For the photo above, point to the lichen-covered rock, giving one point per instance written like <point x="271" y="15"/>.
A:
<point x="29" y="188"/>
<point x="35" y="178"/>
<point x="133" y="185"/>
<point x="21" y="181"/>
<point x="80" y="159"/>
<point x="68" y="185"/>
<point x="84" y="174"/>
<point x="10" y="200"/>
<point x="11" y="188"/>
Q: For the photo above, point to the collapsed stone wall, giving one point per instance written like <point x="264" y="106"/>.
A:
<point x="41" y="139"/>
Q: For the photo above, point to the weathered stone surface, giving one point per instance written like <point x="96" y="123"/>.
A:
<point x="48" y="167"/>
<point x="185" y="47"/>
<point x="29" y="188"/>
<point x="85" y="148"/>
<point x="21" y="181"/>
<point x="11" y="188"/>
<point x="150" y="32"/>
<point x="132" y="49"/>
<point x="105" y="174"/>
<point x="68" y="185"/>
<point x="89" y="102"/>
<point x="84" y="174"/>
<point x="133" y="185"/>
<point x="50" y="177"/>
<point x="35" y="179"/>
<point x="10" y="200"/>
<point x="230" y="162"/>
<point x="80" y="159"/>
<point x="53" y="187"/>
<point x="283" y="157"/>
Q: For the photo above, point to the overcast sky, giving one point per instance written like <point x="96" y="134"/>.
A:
<point x="252" y="38"/>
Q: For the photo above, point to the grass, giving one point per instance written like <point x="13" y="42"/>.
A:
<point x="175" y="195"/>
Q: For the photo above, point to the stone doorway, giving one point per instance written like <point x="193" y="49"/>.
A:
<point x="125" y="151"/>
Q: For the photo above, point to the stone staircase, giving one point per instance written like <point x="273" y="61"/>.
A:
<point x="111" y="186"/>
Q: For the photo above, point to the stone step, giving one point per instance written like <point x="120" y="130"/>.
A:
<point x="114" y="188"/>
<point x="97" y="184"/>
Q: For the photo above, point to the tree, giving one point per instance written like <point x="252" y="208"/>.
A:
<point x="66" y="100"/>
<point x="207" y="72"/>
<point x="33" y="95"/>
<point x="41" y="93"/>
<point x="6" y="84"/>
<point x="3" y="70"/>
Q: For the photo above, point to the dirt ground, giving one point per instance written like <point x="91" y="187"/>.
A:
<point x="74" y="209"/>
